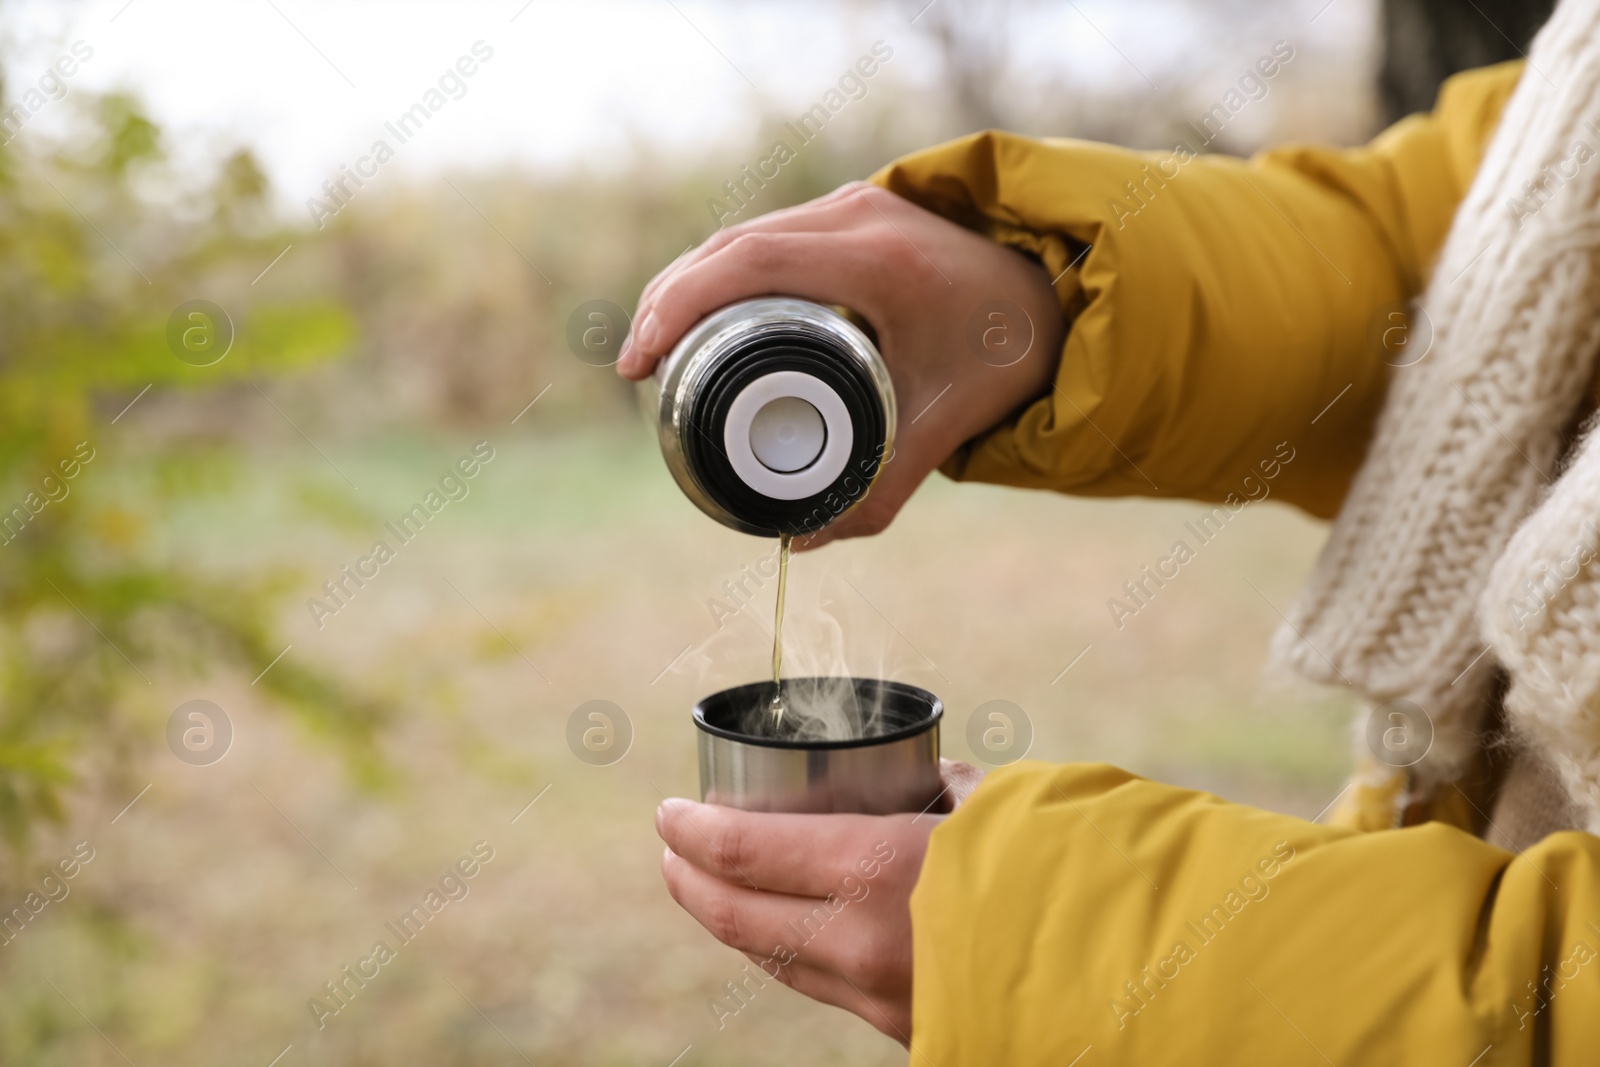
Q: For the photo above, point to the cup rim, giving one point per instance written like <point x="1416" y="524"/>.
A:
<point x="922" y="725"/>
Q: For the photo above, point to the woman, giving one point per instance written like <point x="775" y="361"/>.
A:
<point x="1189" y="315"/>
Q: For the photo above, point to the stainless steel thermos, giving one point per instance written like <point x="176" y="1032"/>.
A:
<point x="775" y="415"/>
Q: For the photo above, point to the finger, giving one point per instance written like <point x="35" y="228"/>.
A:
<point x="870" y="516"/>
<point x="750" y="920"/>
<point x="916" y="453"/>
<point x="663" y="315"/>
<point x="873" y="513"/>
<point x="814" y="216"/>
<point x="803" y="930"/>
<point x="804" y="855"/>
<point x="826" y="268"/>
<point x="960" y="779"/>
<point x="835" y="990"/>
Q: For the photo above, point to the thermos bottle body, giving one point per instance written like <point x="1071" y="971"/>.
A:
<point x="776" y="415"/>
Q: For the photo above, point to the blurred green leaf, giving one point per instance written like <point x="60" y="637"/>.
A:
<point x="84" y="307"/>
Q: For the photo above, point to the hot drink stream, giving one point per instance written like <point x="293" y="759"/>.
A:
<point x="776" y="708"/>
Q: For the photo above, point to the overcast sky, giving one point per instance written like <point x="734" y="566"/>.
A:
<point x="310" y="83"/>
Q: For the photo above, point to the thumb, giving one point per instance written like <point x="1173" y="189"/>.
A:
<point x="960" y="780"/>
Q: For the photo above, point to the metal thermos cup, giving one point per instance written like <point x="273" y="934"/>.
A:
<point x="775" y="415"/>
<point x="894" y="769"/>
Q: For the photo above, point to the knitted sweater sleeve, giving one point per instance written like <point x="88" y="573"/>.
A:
<point x="1080" y="915"/>
<point x="1225" y="313"/>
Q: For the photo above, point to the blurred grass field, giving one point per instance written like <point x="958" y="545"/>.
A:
<point x="221" y="901"/>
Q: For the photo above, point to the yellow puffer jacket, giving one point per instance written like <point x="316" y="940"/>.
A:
<point x="1077" y="915"/>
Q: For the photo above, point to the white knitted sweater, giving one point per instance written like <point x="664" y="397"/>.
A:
<point x="1420" y="590"/>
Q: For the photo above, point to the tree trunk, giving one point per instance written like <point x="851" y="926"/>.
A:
<point x="1426" y="41"/>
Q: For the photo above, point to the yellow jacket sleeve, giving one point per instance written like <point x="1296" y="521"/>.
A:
<point x="1222" y="311"/>
<point x="1079" y="915"/>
